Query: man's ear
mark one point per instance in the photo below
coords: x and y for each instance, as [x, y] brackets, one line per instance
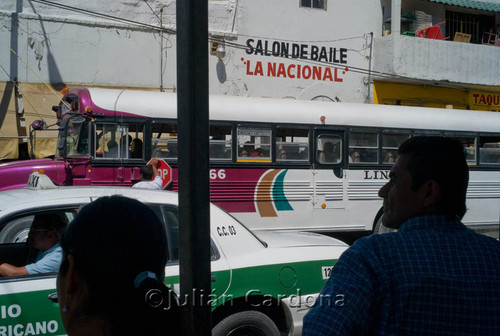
[72, 281]
[431, 193]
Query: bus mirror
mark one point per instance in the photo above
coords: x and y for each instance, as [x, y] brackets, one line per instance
[56, 108]
[38, 125]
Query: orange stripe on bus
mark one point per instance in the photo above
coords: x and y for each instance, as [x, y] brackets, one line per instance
[263, 199]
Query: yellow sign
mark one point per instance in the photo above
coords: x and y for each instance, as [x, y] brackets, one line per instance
[485, 99]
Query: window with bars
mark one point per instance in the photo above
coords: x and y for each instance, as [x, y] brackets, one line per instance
[475, 25]
[321, 4]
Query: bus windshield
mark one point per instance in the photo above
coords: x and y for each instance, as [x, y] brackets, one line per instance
[73, 139]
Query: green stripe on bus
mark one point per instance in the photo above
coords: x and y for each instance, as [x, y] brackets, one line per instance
[279, 197]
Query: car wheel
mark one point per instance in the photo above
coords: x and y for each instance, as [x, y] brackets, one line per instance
[379, 227]
[246, 323]
[16, 231]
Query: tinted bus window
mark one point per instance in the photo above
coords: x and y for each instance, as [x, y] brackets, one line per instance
[469, 143]
[489, 150]
[136, 146]
[292, 144]
[164, 142]
[220, 143]
[390, 144]
[77, 139]
[329, 149]
[363, 146]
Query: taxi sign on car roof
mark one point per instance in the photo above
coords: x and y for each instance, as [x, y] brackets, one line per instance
[39, 181]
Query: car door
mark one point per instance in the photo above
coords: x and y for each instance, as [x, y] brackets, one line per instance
[24, 307]
[220, 275]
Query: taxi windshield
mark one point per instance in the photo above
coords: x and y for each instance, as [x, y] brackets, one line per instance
[74, 137]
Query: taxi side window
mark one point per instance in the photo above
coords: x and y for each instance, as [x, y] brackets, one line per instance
[14, 246]
[170, 218]
[16, 229]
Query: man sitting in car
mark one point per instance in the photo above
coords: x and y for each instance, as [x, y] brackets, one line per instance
[44, 235]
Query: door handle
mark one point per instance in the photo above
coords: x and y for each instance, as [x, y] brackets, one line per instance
[53, 297]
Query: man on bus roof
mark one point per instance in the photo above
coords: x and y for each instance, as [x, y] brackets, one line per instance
[433, 276]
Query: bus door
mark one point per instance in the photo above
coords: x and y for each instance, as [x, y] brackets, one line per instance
[328, 176]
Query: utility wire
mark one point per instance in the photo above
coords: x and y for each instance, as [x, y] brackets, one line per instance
[40, 78]
[106, 16]
[19, 89]
[152, 11]
[243, 47]
[220, 40]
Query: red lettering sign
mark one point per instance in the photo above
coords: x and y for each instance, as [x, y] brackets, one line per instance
[282, 70]
[488, 99]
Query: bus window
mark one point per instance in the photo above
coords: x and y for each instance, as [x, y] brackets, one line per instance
[112, 141]
[489, 149]
[77, 137]
[292, 144]
[363, 147]
[164, 144]
[427, 133]
[329, 149]
[136, 132]
[254, 144]
[469, 143]
[220, 143]
[390, 144]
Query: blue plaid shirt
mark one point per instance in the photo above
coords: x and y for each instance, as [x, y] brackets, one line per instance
[432, 277]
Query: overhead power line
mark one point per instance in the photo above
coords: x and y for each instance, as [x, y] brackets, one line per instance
[102, 15]
[215, 39]
[244, 47]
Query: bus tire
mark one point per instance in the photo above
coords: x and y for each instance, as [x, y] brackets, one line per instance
[16, 231]
[248, 323]
[380, 228]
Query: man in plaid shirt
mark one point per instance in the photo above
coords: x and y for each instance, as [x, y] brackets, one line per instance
[433, 276]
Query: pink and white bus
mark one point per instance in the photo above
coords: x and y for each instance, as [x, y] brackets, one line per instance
[275, 164]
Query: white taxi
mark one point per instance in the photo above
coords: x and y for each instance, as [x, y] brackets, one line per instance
[262, 283]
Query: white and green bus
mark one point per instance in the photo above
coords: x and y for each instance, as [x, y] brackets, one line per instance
[275, 164]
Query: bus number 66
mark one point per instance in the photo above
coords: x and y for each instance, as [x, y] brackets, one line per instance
[217, 174]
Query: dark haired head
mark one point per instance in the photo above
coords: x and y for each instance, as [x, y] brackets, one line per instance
[442, 160]
[147, 172]
[112, 240]
[52, 222]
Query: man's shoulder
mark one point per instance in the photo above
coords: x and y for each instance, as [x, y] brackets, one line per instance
[49, 262]
[154, 184]
[376, 245]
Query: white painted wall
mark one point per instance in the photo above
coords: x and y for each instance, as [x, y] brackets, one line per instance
[70, 47]
[345, 24]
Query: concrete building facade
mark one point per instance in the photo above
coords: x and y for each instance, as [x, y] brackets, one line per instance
[349, 51]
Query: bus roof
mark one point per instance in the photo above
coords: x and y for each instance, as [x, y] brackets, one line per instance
[248, 109]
